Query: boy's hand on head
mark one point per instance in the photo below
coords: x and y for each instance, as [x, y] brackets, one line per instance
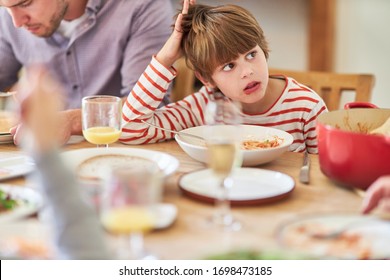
[171, 51]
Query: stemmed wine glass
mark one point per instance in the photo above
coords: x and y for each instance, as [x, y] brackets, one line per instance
[129, 207]
[223, 118]
[101, 119]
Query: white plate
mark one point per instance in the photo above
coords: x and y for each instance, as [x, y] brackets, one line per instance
[167, 163]
[251, 186]
[28, 239]
[166, 215]
[369, 238]
[32, 201]
[15, 166]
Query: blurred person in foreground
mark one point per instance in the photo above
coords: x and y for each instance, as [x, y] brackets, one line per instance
[76, 228]
[378, 195]
[227, 49]
[91, 47]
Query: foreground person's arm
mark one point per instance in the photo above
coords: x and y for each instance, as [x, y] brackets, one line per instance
[378, 195]
[77, 231]
[76, 228]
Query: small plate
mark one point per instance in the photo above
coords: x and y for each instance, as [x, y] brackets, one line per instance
[31, 202]
[166, 215]
[15, 166]
[369, 238]
[7, 120]
[251, 186]
[74, 139]
[6, 138]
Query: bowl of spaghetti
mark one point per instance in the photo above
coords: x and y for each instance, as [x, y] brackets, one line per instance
[258, 144]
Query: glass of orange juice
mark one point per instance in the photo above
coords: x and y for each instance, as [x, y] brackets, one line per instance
[101, 119]
[129, 207]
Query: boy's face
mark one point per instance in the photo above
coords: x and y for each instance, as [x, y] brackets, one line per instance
[244, 79]
[40, 17]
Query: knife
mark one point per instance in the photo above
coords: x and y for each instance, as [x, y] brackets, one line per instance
[304, 176]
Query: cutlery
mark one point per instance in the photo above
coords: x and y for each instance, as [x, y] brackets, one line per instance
[175, 132]
[359, 192]
[305, 169]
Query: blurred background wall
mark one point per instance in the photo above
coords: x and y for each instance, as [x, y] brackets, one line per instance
[362, 36]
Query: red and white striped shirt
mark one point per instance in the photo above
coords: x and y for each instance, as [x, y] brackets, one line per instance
[295, 111]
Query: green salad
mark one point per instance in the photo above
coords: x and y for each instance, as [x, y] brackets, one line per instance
[245, 254]
[6, 202]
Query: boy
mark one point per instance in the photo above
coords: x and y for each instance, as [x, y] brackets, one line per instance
[228, 52]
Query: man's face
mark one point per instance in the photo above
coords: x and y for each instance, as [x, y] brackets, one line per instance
[40, 17]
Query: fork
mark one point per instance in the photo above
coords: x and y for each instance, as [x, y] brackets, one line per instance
[174, 131]
[304, 173]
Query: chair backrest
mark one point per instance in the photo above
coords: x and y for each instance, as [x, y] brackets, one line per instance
[330, 85]
[183, 84]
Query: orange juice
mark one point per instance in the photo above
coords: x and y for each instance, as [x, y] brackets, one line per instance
[101, 135]
[128, 219]
[221, 158]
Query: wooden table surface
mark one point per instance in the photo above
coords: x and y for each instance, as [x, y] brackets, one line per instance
[190, 237]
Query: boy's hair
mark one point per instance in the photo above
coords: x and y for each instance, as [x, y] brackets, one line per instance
[213, 36]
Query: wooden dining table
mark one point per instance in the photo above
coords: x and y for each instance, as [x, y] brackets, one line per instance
[191, 237]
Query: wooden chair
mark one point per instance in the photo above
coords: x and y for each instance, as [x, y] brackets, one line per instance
[330, 85]
[183, 84]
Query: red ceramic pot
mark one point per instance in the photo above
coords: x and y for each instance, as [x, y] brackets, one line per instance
[347, 154]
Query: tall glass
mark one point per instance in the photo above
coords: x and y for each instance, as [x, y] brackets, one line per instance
[129, 207]
[223, 118]
[101, 119]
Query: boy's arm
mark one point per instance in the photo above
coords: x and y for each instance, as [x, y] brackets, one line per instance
[143, 101]
[147, 94]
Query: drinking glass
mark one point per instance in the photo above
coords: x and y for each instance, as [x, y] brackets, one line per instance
[129, 207]
[101, 119]
[223, 118]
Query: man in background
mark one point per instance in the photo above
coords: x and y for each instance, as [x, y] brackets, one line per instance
[90, 46]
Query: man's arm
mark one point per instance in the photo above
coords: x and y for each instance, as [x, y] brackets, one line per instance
[9, 65]
[70, 123]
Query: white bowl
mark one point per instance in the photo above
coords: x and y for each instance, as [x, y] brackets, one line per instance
[198, 150]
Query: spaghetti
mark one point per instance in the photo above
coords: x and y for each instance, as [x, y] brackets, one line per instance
[264, 144]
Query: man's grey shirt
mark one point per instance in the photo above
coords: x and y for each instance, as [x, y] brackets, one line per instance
[106, 54]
